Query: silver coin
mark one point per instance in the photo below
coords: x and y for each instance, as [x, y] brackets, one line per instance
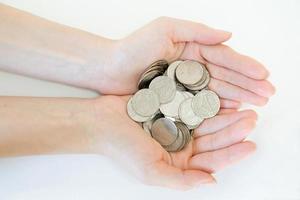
[171, 109]
[180, 87]
[206, 104]
[164, 87]
[200, 85]
[161, 63]
[187, 94]
[145, 102]
[186, 134]
[147, 125]
[155, 69]
[192, 127]
[147, 78]
[187, 115]
[206, 82]
[189, 72]
[172, 68]
[175, 146]
[164, 131]
[133, 115]
[174, 119]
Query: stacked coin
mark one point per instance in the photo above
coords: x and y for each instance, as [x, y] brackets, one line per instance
[172, 101]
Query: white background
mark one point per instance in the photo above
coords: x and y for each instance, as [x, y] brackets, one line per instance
[267, 30]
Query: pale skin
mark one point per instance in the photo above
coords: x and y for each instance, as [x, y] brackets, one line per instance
[35, 47]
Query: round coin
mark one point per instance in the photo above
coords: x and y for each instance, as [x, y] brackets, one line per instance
[147, 78]
[164, 87]
[164, 131]
[175, 146]
[202, 84]
[161, 63]
[186, 133]
[147, 125]
[187, 94]
[187, 115]
[189, 72]
[171, 109]
[133, 115]
[145, 102]
[206, 104]
[172, 68]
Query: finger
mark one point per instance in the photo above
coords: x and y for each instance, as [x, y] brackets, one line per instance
[221, 121]
[226, 103]
[126, 97]
[223, 55]
[228, 136]
[165, 175]
[227, 111]
[261, 87]
[229, 91]
[219, 159]
[188, 31]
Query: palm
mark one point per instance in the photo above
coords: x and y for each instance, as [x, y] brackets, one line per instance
[213, 147]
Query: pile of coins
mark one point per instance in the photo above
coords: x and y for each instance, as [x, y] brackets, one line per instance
[172, 101]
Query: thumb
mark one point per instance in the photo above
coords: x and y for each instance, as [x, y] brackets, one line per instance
[166, 175]
[188, 31]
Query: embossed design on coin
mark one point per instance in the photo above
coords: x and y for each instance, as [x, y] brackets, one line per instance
[189, 72]
[171, 109]
[206, 104]
[164, 87]
[172, 68]
[145, 102]
[133, 115]
[187, 115]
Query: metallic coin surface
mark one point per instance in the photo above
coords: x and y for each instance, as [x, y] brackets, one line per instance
[147, 78]
[164, 87]
[187, 94]
[172, 102]
[187, 115]
[162, 63]
[200, 85]
[192, 127]
[172, 68]
[180, 86]
[133, 115]
[147, 125]
[207, 80]
[145, 102]
[164, 131]
[171, 109]
[206, 104]
[186, 133]
[189, 72]
[175, 146]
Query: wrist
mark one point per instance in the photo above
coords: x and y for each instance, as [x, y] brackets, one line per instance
[94, 121]
[101, 63]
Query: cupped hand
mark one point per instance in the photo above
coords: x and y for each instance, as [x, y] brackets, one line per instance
[236, 78]
[218, 142]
